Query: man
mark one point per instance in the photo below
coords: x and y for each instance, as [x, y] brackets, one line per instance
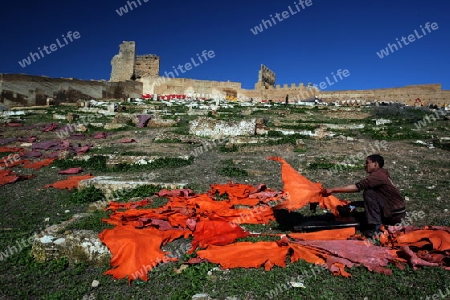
[382, 201]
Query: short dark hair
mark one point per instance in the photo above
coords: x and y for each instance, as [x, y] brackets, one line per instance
[377, 158]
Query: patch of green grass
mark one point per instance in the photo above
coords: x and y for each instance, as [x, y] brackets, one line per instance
[142, 191]
[229, 109]
[401, 114]
[299, 127]
[298, 110]
[230, 170]
[287, 139]
[181, 129]
[197, 188]
[93, 163]
[168, 141]
[178, 109]
[299, 150]
[275, 133]
[391, 132]
[321, 164]
[260, 112]
[193, 280]
[92, 222]
[222, 148]
[158, 202]
[259, 238]
[87, 195]
[169, 117]
[170, 162]
[134, 153]
[98, 163]
[222, 197]
[55, 273]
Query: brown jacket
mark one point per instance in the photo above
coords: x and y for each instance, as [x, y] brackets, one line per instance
[380, 181]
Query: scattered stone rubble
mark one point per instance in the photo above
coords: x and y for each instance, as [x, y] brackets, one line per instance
[219, 129]
[84, 245]
[108, 184]
[76, 246]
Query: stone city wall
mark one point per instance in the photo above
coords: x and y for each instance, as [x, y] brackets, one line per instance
[29, 90]
[427, 93]
[168, 85]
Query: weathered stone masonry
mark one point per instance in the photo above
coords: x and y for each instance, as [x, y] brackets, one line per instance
[134, 75]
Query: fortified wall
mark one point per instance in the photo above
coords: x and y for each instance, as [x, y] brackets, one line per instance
[132, 76]
[191, 87]
[145, 69]
[127, 66]
[429, 94]
[28, 90]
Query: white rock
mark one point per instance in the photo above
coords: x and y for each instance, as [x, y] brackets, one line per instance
[201, 297]
[141, 162]
[297, 284]
[60, 241]
[46, 239]
[382, 121]
[95, 283]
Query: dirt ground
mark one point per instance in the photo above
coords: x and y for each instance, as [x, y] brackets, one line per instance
[421, 173]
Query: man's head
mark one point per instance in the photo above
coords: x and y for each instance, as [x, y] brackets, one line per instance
[374, 162]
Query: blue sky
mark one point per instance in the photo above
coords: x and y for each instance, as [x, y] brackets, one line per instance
[304, 47]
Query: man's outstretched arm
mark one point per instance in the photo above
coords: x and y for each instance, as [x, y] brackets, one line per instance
[351, 188]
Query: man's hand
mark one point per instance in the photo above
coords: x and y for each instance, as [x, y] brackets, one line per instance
[326, 192]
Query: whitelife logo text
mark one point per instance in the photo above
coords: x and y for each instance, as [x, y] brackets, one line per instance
[265, 24]
[49, 49]
[411, 38]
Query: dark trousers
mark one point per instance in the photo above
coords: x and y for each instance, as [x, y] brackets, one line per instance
[374, 205]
